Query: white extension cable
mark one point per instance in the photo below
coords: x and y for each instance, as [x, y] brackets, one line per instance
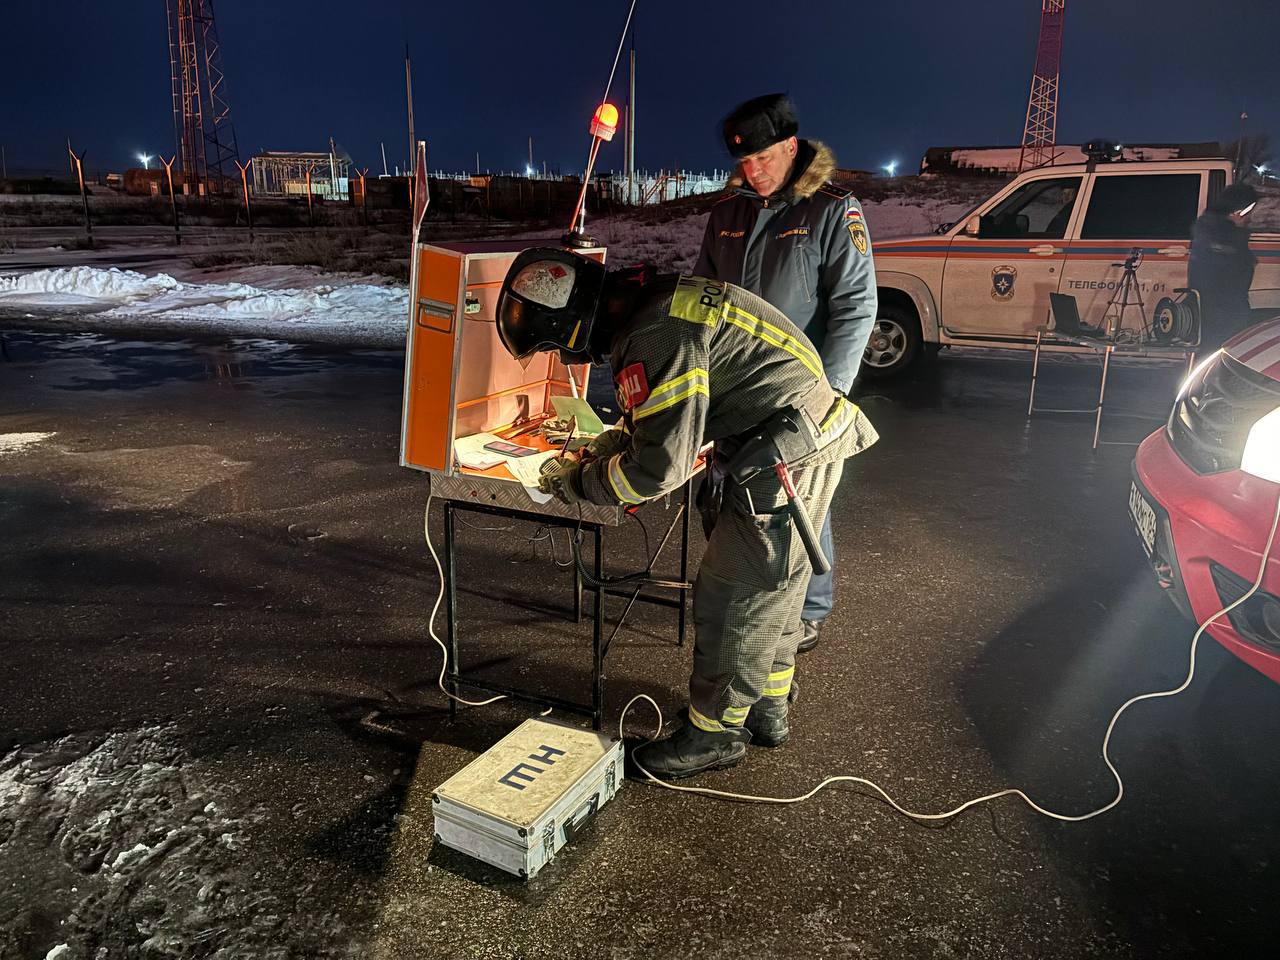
[1012, 791]
[946, 815]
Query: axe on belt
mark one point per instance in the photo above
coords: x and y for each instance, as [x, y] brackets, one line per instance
[784, 438]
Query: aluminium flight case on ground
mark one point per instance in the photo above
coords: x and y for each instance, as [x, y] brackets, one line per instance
[528, 795]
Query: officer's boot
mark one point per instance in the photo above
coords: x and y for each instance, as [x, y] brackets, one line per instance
[767, 722]
[692, 750]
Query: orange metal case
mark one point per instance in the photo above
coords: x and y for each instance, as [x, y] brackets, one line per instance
[459, 379]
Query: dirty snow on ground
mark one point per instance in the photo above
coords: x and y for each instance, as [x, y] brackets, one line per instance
[351, 313]
[341, 310]
[131, 847]
[14, 442]
[673, 245]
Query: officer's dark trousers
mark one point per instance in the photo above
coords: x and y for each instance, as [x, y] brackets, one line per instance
[749, 596]
[821, 595]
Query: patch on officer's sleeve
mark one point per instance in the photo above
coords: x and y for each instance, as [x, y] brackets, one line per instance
[632, 386]
[857, 229]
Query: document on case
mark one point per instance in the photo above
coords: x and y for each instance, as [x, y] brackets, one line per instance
[527, 471]
[471, 453]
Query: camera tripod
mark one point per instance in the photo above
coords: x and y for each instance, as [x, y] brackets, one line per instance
[1128, 294]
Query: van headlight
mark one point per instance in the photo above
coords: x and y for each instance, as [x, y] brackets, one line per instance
[1261, 456]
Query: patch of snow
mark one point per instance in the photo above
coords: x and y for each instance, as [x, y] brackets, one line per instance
[13, 442]
[117, 835]
[305, 305]
[83, 285]
[361, 313]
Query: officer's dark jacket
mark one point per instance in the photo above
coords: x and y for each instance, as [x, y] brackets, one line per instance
[697, 361]
[807, 251]
[1221, 269]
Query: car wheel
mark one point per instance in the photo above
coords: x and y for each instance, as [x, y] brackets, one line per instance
[895, 343]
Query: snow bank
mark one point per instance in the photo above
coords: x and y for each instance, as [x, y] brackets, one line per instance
[354, 313]
[334, 310]
[15, 442]
[89, 285]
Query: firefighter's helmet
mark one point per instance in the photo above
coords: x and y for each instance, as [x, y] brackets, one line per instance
[549, 301]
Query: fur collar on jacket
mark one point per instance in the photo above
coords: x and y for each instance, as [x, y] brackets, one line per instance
[815, 163]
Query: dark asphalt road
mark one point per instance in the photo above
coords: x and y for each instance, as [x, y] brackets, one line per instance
[217, 543]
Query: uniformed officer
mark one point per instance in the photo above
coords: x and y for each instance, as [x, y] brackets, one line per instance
[787, 234]
[1221, 265]
[698, 361]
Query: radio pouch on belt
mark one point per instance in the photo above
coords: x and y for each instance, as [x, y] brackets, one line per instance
[784, 438]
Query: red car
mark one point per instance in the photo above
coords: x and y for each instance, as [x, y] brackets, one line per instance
[1204, 493]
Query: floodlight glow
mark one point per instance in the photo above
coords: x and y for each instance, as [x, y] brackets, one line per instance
[146, 158]
[1261, 456]
[890, 167]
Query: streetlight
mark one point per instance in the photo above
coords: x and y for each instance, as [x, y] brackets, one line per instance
[890, 167]
[1262, 169]
[146, 158]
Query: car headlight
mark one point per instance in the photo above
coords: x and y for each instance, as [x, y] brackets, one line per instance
[1261, 456]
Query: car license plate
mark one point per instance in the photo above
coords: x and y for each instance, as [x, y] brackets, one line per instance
[1144, 518]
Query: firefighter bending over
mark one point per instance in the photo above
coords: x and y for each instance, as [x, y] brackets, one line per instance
[699, 361]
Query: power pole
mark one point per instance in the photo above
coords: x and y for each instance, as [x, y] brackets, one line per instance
[1040, 132]
[1244, 118]
[408, 93]
[631, 125]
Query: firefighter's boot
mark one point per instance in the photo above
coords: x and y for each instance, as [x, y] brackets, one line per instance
[767, 721]
[691, 750]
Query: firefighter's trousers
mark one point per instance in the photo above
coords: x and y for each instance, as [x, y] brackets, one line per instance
[749, 595]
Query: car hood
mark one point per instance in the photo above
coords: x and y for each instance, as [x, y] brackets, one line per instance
[1258, 348]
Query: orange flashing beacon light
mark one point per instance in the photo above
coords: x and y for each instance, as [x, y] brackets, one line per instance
[604, 123]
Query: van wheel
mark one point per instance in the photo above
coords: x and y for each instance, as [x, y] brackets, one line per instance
[895, 343]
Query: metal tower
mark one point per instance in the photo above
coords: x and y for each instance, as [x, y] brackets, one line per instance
[1041, 128]
[204, 139]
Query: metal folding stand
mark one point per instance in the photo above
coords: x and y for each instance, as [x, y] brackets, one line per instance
[599, 644]
[1107, 347]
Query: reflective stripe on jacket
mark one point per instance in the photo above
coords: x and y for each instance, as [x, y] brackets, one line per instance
[701, 361]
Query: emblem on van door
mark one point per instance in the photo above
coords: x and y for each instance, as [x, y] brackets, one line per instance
[1002, 280]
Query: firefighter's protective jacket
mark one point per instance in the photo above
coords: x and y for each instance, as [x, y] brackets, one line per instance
[807, 251]
[700, 361]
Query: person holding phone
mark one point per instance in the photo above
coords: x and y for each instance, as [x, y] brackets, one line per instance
[1221, 266]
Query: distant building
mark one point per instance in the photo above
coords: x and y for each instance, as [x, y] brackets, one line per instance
[1003, 161]
[283, 173]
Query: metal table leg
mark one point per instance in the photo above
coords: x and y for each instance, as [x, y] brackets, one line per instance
[577, 587]
[1035, 370]
[1102, 392]
[451, 605]
[597, 637]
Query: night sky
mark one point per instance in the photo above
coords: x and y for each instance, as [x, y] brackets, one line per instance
[877, 81]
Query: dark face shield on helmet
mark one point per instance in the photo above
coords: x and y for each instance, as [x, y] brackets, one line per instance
[548, 303]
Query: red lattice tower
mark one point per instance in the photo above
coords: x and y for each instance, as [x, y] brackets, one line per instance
[203, 135]
[1041, 129]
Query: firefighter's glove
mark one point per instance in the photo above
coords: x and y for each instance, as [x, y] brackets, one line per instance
[562, 478]
[606, 444]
